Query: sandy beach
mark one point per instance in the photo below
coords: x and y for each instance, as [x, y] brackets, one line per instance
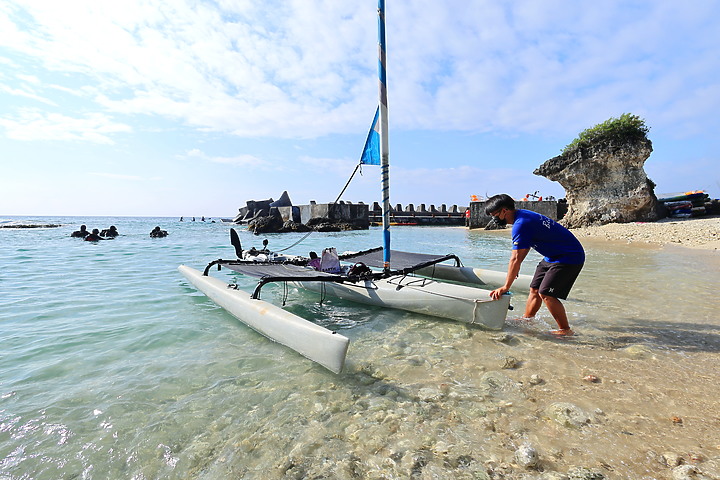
[698, 232]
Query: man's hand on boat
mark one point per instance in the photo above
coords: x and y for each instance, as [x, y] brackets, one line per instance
[498, 292]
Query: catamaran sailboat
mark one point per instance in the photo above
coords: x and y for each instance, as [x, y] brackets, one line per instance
[411, 281]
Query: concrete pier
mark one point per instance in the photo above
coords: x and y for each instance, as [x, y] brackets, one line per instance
[363, 215]
[422, 215]
[549, 208]
[341, 212]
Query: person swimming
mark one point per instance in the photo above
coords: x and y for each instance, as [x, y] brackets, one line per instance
[82, 233]
[94, 236]
[109, 232]
[157, 233]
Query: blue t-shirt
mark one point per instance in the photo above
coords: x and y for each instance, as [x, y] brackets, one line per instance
[547, 237]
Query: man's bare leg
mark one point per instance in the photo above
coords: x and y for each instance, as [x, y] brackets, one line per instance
[557, 310]
[534, 302]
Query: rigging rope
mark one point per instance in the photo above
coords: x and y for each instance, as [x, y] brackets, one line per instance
[358, 166]
[323, 292]
[285, 293]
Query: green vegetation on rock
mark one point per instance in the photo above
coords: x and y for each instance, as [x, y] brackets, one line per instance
[627, 128]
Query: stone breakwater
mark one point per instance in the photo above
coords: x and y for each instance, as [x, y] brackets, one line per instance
[691, 232]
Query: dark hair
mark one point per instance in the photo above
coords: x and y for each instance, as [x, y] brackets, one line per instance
[496, 202]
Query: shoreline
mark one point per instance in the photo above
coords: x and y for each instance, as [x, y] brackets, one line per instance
[695, 232]
[700, 233]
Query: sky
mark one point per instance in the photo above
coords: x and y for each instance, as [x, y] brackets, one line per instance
[193, 107]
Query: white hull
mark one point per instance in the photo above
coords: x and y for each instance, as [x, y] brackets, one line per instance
[308, 339]
[478, 276]
[421, 295]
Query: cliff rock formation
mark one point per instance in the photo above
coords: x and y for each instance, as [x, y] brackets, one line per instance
[605, 182]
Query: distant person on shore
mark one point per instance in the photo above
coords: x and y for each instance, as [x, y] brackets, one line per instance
[94, 236]
[109, 232]
[157, 233]
[82, 233]
[555, 274]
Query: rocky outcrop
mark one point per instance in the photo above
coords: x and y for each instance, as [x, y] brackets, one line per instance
[605, 182]
[270, 223]
[325, 224]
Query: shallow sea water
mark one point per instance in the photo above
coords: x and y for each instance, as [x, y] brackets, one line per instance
[112, 366]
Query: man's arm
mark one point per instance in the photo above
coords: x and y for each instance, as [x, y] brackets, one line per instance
[516, 259]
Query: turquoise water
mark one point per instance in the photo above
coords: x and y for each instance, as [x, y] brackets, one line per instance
[112, 366]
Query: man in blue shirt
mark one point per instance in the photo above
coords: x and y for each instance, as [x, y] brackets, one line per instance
[555, 274]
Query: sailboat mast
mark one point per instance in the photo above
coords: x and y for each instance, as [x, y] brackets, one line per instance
[384, 153]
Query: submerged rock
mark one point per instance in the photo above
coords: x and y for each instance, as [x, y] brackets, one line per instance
[430, 394]
[526, 456]
[536, 380]
[552, 476]
[510, 362]
[582, 473]
[496, 384]
[671, 459]
[567, 415]
[689, 472]
[638, 351]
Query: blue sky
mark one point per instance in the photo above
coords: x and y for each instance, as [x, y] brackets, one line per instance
[175, 107]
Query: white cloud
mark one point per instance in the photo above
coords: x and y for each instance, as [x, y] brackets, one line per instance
[340, 167]
[553, 70]
[21, 92]
[306, 68]
[244, 160]
[263, 74]
[34, 124]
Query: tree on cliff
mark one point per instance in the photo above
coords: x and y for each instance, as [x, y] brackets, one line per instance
[603, 175]
[626, 129]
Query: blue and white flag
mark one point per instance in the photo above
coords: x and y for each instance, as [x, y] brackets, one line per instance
[371, 152]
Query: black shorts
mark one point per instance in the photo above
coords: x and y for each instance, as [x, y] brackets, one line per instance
[555, 279]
